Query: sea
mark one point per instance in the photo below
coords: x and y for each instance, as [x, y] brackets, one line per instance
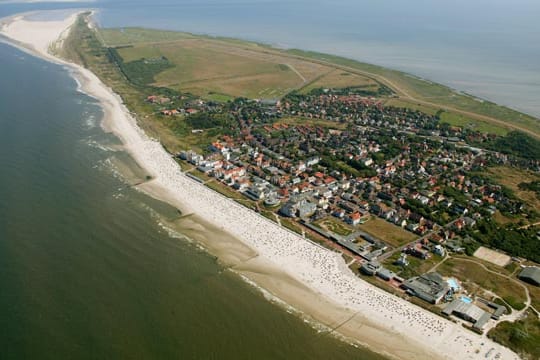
[87, 269]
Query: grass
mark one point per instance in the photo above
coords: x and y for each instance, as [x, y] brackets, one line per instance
[291, 225]
[411, 105]
[473, 277]
[334, 225]
[387, 232]
[504, 220]
[466, 122]
[184, 165]
[534, 292]
[208, 65]
[416, 266]
[340, 79]
[224, 189]
[522, 336]
[131, 36]
[512, 177]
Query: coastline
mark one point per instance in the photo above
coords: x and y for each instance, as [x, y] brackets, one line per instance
[313, 280]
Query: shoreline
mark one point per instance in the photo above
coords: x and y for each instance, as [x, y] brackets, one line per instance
[313, 280]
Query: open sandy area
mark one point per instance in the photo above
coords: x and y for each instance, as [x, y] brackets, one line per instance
[492, 256]
[310, 278]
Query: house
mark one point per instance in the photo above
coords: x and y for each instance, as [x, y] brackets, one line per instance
[439, 250]
[402, 261]
[191, 111]
[356, 218]
[339, 213]
[302, 208]
[169, 112]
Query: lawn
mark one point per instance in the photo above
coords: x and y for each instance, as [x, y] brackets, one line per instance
[208, 66]
[130, 36]
[473, 124]
[473, 276]
[340, 79]
[387, 232]
[411, 105]
[416, 266]
[334, 225]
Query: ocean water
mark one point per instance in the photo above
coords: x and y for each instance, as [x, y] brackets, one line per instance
[488, 48]
[87, 272]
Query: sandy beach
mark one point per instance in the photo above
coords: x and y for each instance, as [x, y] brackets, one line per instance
[312, 279]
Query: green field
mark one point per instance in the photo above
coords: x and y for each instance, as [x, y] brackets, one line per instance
[220, 68]
[387, 232]
[339, 79]
[467, 122]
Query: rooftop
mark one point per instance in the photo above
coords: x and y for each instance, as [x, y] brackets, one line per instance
[531, 274]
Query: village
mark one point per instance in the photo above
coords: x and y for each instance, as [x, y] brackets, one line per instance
[394, 190]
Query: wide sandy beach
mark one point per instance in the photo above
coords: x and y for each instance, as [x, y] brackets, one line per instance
[312, 279]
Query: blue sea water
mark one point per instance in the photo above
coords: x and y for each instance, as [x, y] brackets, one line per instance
[489, 48]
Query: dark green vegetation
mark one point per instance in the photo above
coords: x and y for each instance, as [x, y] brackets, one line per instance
[523, 336]
[531, 186]
[518, 144]
[510, 238]
[140, 72]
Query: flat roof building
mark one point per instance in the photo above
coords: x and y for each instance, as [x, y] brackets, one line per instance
[468, 312]
[385, 274]
[430, 287]
[371, 268]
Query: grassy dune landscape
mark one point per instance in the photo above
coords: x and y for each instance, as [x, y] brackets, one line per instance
[208, 67]
[221, 69]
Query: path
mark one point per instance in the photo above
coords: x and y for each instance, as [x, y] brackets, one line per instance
[297, 72]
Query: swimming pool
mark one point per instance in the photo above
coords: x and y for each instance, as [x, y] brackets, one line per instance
[453, 284]
[466, 299]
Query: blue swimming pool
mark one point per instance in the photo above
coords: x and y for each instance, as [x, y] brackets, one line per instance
[453, 283]
[466, 299]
